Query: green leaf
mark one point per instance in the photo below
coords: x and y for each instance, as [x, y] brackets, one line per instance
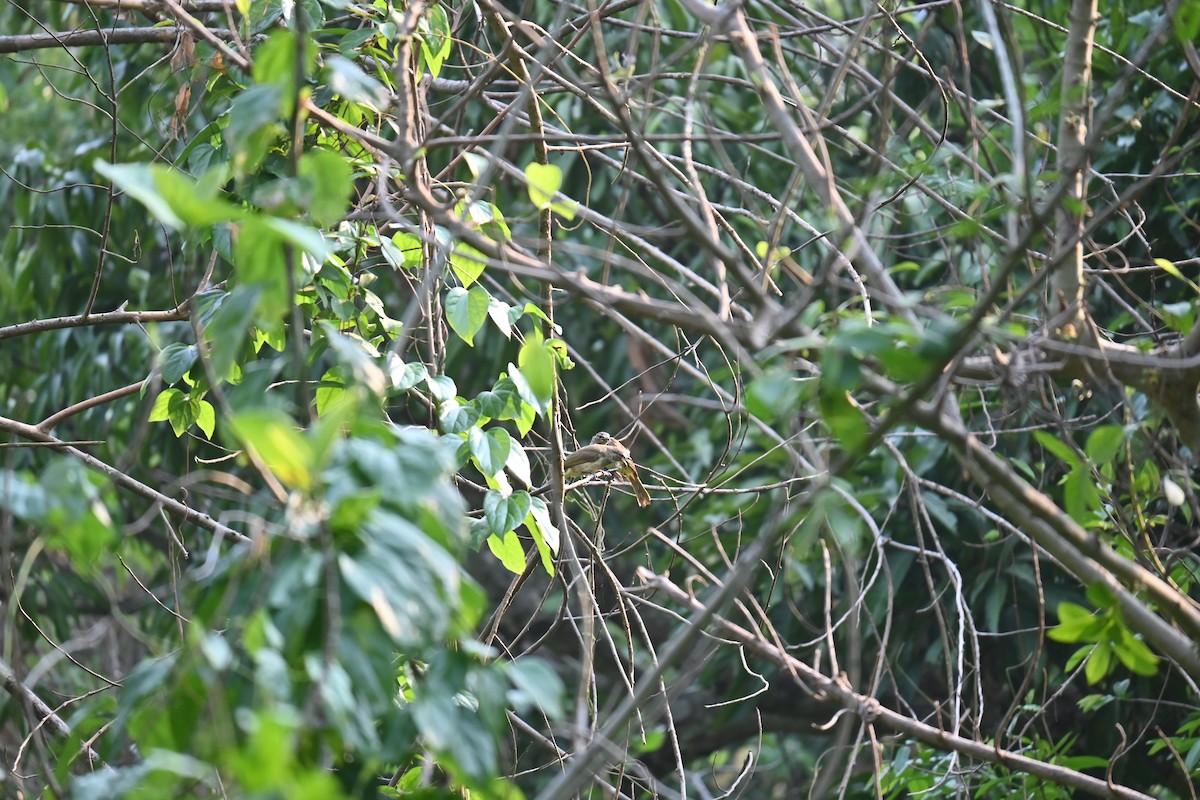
[177, 408]
[536, 362]
[774, 394]
[305, 237]
[1101, 595]
[345, 78]
[161, 409]
[442, 387]
[545, 534]
[525, 417]
[327, 178]
[1081, 495]
[1076, 624]
[406, 376]
[274, 437]
[467, 263]
[490, 449]
[501, 312]
[490, 404]
[182, 411]
[1104, 443]
[229, 328]
[206, 417]
[137, 180]
[543, 182]
[175, 360]
[840, 371]
[1187, 21]
[518, 464]
[1100, 662]
[174, 199]
[402, 251]
[1078, 656]
[508, 549]
[466, 311]
[454, 417]
[435, 38]
[504, 514]
[275, 61]
[259, 262]
[1136, 656]
[331, 392]
[844, 420]
[254, 125]
[1063, 452]
[1172, 270]
[536, 684]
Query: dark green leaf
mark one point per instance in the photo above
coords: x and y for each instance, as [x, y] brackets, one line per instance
[175, 360]
[504, 514]
[490, 449]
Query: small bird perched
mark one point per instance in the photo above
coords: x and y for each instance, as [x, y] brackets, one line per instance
[606, 453]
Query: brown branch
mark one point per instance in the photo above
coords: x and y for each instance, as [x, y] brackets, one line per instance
[116, 394]
[41, 41]
[180, 312]
[820, 686]
[816, 171]
[26, 697]
[197, 518]
[156, 6]
[208, 34]
[1081, 553]
[1066, 282]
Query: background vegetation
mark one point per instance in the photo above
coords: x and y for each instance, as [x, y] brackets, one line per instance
[301, 304]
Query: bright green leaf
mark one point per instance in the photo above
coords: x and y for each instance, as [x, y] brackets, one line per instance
[274, 437]
[1100, 662]
[467, 310]
[536, 362]
[1172, 270]
[1080, 495]
[543, 182]
[1136, 656]
[206, 417]
[508, 549]
[160, 411]
[403, 250]
[467, 263]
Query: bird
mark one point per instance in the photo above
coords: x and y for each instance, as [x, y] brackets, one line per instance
[606, 453]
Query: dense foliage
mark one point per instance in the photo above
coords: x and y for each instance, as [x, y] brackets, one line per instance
[894, 307]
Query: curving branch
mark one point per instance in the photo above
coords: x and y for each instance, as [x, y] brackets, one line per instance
[104, 36]
[197, 518]
[27, 697]
[839, 691]
[1083, 554]
[119, 317]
